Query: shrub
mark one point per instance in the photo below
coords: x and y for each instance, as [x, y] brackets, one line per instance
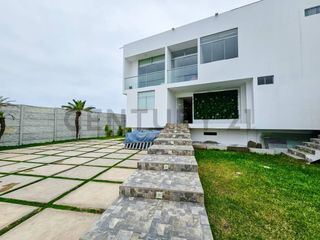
[120, 132]
[108, 131]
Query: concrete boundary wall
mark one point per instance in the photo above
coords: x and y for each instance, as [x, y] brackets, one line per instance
[29, 124]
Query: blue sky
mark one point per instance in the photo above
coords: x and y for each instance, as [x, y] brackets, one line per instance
[54, 51]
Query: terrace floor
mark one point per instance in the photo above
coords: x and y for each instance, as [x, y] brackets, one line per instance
[58, 191]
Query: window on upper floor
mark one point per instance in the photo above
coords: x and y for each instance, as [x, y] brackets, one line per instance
[151, 71]
[219, 46]
[312, 11]
[265, 80]
[146, 100]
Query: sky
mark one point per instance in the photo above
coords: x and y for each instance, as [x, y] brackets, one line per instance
[54, 51]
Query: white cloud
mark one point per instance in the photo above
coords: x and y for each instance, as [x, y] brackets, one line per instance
[53, 51]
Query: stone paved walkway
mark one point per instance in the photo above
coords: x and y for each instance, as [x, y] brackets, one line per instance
[161, 200]
[58, 191]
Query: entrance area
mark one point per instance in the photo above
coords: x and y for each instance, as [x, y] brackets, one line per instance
[185, 110]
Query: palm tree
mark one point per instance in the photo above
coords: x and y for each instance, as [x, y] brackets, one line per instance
[3, 103]
[77, 106]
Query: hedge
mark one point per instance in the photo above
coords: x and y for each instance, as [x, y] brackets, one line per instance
[216, 105]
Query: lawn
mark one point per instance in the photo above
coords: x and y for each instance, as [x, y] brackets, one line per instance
[251, 196]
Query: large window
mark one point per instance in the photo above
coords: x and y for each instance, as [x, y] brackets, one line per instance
[151, 71]
[312, 11]
[219, 46]
[146, 100]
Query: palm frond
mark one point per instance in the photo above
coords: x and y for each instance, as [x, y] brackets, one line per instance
[77, 106]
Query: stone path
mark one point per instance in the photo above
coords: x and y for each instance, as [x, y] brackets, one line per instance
[163, 199]
[58, 191]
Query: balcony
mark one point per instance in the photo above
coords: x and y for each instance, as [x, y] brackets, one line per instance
[183, 74]
[145, 80]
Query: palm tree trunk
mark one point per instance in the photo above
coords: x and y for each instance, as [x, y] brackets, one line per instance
[2, 126]
[78, 114]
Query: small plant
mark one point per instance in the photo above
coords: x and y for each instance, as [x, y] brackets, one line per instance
[120, 132]
[108, 131]
[3, 103]
[78, 107]
[128, 130]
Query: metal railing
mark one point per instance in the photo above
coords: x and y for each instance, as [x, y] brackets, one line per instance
[183, 74]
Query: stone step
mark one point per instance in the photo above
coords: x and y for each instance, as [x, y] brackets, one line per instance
[168, 163]
[315, 140]
[170, 185]
[137, 218]
[174, 135]
[306, 149]
[308, 157]
[298, 153]
[312, 145]
[171, 150]
[173, 141]
[294, 156]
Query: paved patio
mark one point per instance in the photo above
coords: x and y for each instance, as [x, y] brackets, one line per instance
[58, 191]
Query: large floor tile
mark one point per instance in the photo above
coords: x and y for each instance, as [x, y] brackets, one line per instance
[4, 155]
[83, 172]
[52, 224]
[76, 160]
[43, 191]
[70, 153]
[118, 155]
[22, 157]
[105, 162]
[129, 164]
[92, 195]
[13, 212]
[106, 150]
[48, 159]
[116, 174]
[18, 167]
[12, 182]
[47, 170]
[5, 163]
[93, 155]
[50, 152]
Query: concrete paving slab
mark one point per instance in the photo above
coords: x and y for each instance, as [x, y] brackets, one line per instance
[128, 151]
[50, 152]
[47, 170]
[43, 191]
[22, 158]
[13, 212]
[52, 224]
[83, 172]
[129, 164]
[137, 157]
[116, 174]
[48, 159]
[105, 162]
[70, 153]
[87, 149]
[92, 195]
[11, 182]
[106, 150]
[93, 155]
[5, 163]
[23, 150]
[18, 167]
[116, 147]
[8, 155]
[76, 160]
[70, 148]
[118, 155]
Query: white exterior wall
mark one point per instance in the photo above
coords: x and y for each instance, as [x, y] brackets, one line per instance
[274, 38]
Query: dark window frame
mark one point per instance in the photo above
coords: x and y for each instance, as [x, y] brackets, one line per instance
[308, 12]
[265, 80]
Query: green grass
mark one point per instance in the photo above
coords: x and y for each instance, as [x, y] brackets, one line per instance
[251, 196]
[57, 142]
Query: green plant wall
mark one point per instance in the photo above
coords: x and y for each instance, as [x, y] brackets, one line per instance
[216, 105]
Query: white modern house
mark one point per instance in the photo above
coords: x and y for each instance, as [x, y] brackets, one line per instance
[252, 73]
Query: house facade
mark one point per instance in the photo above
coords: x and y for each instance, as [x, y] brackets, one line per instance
[248, 74]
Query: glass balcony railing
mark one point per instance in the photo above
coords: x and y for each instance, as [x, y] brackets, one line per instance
[145, 80]
[183, 74]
